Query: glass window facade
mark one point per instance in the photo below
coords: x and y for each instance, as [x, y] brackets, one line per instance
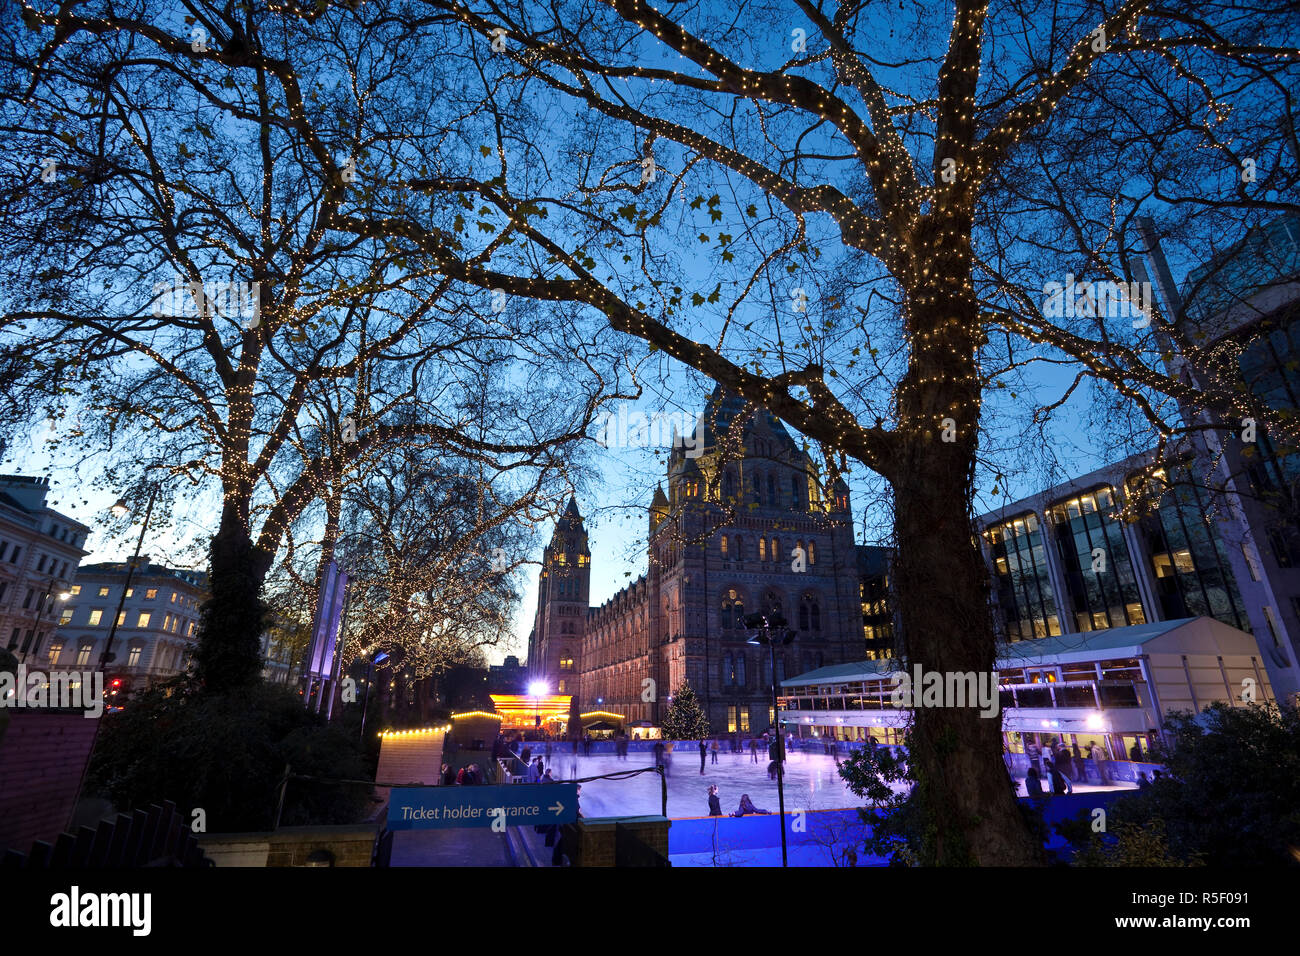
[1103, 590]
[1025, 600]
[1190, 568]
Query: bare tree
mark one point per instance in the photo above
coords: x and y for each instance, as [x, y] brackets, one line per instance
[172, 273]
[810, 204]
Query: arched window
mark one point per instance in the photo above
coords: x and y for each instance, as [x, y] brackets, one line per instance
[771, 490]
[773, 602]
[729, 484]
[740, 553]
[724, 545]
[812, 552]
[726, 670]
[740, 669]
[762, 549]
[794, 491]
[733, 610]
[776, 550]
[810, 615]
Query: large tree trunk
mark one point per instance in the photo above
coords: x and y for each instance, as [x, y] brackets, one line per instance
[229, 646]
[941, 585]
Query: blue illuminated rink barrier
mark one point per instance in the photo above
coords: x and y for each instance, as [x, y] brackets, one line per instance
[820, 837]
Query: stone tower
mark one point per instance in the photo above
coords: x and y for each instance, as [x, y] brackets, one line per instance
[563, 594]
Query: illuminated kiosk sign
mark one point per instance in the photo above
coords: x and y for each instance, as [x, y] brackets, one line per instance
[435, 808]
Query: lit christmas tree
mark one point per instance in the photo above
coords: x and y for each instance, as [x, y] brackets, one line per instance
[685, 719]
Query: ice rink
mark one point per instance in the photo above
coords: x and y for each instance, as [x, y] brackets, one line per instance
[811, 783]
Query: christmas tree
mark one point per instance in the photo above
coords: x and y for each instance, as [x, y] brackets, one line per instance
[685, 719]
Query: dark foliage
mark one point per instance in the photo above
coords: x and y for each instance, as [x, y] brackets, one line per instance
[1230, 796]
[226, 754]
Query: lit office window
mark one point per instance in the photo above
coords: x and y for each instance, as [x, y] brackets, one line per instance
[96, 615]
[143, 619]
[1025, 599]
[1188, 561]
[1100, 584]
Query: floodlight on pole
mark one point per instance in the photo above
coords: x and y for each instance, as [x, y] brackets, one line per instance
[770, 630]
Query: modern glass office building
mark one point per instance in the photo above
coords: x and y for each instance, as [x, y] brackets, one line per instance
[1099, 578]
[1213, 530]
[1069, 560]
[1022, 584]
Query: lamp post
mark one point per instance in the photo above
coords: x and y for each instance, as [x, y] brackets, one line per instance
[370, 679]
[120, 509]
[537, 689]
[770, 629]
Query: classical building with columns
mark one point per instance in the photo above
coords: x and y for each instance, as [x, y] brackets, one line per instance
[745, 525]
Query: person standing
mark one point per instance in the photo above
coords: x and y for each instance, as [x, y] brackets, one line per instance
[715, 804]
[704, 749]
[713, 751]
[753, 750]
[1058, 781]
[1033, 784]
[1063, 761]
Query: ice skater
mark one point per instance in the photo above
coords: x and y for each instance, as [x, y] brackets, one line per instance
[704, 749]
[713, 751]
[715, 804]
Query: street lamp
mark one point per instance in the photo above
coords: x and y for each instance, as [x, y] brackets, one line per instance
[538, 689]
[370, 679]
[770, 629]
[119, 509]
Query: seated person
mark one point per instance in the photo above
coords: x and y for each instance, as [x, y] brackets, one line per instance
[747, 806]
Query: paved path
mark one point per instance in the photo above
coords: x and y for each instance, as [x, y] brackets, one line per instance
[471, 846]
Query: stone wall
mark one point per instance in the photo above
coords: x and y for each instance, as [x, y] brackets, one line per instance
[593, 842]
[42, 756]
[351, 845]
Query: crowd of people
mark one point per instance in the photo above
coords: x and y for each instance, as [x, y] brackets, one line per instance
[1062, 765]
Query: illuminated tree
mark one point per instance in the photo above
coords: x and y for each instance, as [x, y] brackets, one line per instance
[685, 718]
[819, 207]
[181, 303]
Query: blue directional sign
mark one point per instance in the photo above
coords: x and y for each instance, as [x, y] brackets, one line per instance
[435, 808]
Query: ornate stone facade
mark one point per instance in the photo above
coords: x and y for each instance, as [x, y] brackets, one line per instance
[747, 525]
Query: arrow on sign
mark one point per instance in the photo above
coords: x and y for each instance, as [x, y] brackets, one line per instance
[557, 808]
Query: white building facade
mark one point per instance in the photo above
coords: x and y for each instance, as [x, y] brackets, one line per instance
[156, 628]
[40, 550]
